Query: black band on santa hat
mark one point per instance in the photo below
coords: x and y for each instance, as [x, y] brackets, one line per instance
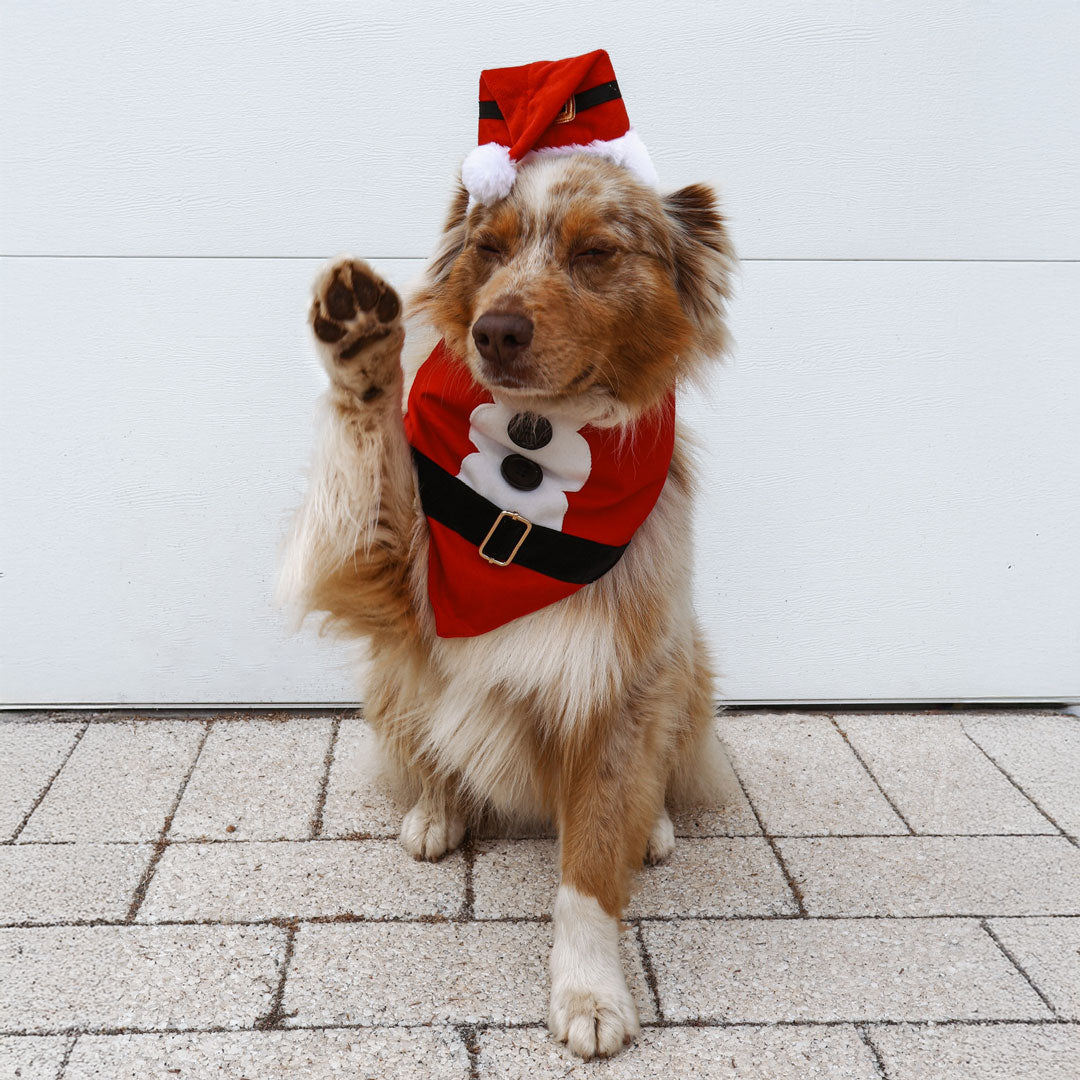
[587, 99]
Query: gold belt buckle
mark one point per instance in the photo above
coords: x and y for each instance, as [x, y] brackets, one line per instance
[569, 111]
[491, 532]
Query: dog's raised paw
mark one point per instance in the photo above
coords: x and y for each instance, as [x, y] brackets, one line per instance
[356, 318]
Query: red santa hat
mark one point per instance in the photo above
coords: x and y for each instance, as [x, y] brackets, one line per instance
[551, 107]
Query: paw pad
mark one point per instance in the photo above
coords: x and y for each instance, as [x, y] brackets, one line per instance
[353, 309]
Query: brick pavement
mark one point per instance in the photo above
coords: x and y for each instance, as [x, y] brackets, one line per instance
[887, 896]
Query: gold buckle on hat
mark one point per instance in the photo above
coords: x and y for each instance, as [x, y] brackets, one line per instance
[491, 532]
[569, 111]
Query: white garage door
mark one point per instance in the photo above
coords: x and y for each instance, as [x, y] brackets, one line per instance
[892, 505]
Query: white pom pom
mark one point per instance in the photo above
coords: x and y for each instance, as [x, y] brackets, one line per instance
[629, 152]
[488, 173]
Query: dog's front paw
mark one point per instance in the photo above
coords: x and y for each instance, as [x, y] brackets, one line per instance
[591, 1008]
[356, 317]
[428, 832]
[596, 1021]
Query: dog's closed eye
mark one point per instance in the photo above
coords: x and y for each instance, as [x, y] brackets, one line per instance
[593, 254]
[488, 247]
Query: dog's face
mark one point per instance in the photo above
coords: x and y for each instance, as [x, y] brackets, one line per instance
[582, 283]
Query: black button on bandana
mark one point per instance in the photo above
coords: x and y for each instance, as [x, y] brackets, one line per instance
[529, 431]
[521, 473]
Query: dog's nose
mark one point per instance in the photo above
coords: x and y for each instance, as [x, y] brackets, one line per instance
[501, 338]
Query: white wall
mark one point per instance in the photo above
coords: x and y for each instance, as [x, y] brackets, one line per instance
[892, 502]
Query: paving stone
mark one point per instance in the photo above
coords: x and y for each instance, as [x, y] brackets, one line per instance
[931, 875]
[423, 973]
[1049, 951]
[785, 990]
[762, 971]
[50, 883]
[256, 780]
[803, 778]
[29, 756]
[734, 1053]
[1042, 754]
[983, 1052]
[709, 876]
[388, 1053]
[144, 977]
[718, 876]
[357, 803]
[119, 784]
[32, 1057]
[731, 816]
[514, 878]
[938, 779]
[257, 881]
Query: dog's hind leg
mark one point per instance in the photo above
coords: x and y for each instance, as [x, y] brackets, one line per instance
[399, 691]
[700, 775]
[661, 839]
[349, 550]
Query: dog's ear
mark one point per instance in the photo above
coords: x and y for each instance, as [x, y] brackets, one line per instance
[702, 261]
[453, 238]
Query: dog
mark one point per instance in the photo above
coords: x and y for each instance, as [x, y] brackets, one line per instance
[583, 293]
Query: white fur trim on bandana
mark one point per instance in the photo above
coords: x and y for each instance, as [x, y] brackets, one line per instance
[488, 173]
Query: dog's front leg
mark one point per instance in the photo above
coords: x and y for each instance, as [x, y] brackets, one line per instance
[607, 805]
[350, 546]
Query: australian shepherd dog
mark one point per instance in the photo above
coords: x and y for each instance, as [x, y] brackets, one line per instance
[582, 292]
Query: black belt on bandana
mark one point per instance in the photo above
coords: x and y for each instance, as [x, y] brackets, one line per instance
[503, 537]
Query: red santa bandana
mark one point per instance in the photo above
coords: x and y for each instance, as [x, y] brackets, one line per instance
[523, 509]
